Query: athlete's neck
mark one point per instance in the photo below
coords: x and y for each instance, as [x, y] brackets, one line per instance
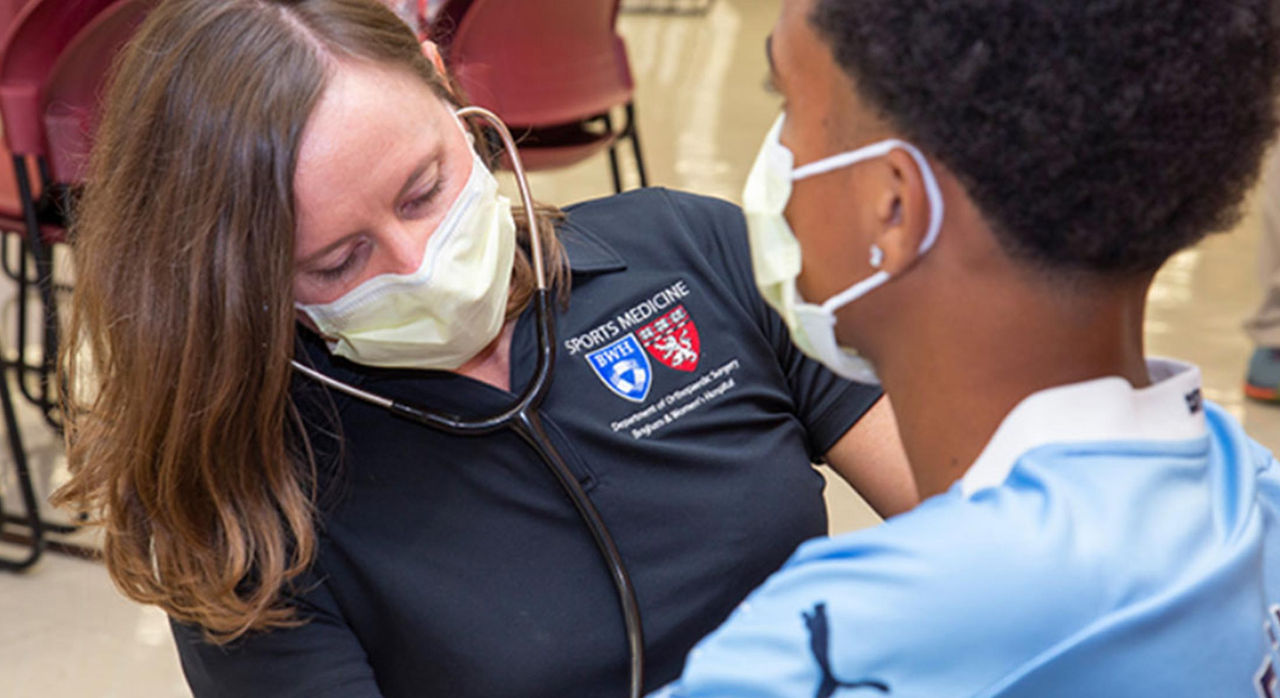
[956, 379]
[493, 364]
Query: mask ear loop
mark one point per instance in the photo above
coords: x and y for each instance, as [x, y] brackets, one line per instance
[937, 208]
[526, 199]
[931, 189]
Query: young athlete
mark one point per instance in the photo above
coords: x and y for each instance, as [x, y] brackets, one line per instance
[980, 194]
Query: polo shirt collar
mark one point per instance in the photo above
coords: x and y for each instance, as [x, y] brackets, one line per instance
[587, 253]
[1105, 409]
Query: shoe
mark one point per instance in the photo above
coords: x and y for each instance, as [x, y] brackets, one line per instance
[1263, 381]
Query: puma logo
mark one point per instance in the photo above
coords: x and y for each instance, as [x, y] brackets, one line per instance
[819, 644]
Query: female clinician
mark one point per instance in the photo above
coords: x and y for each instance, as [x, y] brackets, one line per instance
[1011, 176]
[281, 179]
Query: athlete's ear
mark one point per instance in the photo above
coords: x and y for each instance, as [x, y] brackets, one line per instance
[903, 214]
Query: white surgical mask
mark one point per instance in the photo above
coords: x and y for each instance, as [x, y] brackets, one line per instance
[447, 311]
[775, 252]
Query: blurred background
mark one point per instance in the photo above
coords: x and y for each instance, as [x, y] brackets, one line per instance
[701, 112]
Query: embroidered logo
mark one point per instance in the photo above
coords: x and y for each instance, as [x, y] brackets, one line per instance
[820, 646]
[624, 368]
[1195, 401]
[673, 340]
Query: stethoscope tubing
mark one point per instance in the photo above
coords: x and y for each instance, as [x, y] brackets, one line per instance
[523, 418]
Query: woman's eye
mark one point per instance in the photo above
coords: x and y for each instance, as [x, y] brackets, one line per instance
[416, 205]
[353, 256]
[336, 272]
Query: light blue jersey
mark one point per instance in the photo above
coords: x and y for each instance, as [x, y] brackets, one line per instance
[1108, 542]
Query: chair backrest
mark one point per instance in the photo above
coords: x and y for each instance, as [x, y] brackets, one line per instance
[58, 48]
[539, 62]
[8, 11]
[71, 102]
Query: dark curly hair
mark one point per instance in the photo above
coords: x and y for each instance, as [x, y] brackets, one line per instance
[1096, 136]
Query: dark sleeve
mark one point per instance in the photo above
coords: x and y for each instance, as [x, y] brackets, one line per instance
[320, 659]
[826, 404]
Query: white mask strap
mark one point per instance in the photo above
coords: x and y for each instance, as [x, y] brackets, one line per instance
[841, 160]
[855, 291]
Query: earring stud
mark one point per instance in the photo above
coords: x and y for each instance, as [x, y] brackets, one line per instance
[877, 256]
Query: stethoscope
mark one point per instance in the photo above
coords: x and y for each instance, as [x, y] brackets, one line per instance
[522, 416]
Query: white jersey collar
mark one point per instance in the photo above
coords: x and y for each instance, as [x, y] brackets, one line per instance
[1105, 409]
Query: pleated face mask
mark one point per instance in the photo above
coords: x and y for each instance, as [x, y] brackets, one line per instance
[450, 308]
[775, 252]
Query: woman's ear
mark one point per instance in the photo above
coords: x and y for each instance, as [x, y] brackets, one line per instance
[904, 215]
[432, 52]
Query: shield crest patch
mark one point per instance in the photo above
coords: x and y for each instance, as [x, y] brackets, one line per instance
[624, 368]
[673, 340]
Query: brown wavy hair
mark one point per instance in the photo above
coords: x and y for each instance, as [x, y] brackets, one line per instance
[182, 438]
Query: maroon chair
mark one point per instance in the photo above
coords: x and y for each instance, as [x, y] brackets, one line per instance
[552, 69]
[8, 11]
[10, 204]
[53, 58]
[11, 220]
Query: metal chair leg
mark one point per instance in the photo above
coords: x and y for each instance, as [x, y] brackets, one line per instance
[613, 166]
[24, 283]
[43, 397]
[633, 132]
[43, 259]
[6, 260]
[613, 155]
[35, 526]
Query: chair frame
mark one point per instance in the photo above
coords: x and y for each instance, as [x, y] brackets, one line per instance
[28, 58]
[632, 133]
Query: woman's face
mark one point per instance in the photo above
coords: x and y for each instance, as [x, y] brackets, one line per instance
[381, 161]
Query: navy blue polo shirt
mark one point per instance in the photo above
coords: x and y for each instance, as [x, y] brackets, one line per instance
[456, 566]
